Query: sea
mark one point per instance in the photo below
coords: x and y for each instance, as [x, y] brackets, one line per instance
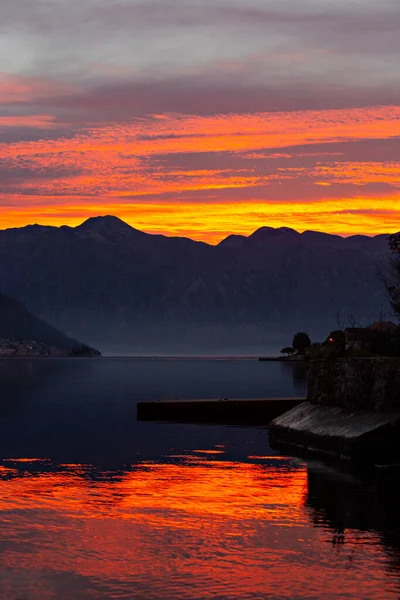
[96, 505]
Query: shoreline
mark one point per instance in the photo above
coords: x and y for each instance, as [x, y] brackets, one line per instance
[157, 357]
[281, 358]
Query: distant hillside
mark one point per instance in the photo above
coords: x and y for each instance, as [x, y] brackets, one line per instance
[17, 323]
[116, 285]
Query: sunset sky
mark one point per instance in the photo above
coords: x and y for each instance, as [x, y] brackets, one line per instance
[201, 117]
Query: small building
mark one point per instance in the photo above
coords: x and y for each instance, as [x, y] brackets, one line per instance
[358, 338]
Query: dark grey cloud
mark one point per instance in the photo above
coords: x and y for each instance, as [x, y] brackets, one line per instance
[12, 135]
[15, 175]
[268, 160]
[122, 101]
[304, 191]
[342, 16]
[155, 36]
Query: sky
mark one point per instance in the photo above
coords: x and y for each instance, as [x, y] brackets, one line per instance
[201, 117]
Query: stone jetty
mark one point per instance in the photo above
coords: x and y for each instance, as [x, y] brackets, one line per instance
[352, 412]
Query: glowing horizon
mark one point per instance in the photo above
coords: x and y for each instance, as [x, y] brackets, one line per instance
[212, 237]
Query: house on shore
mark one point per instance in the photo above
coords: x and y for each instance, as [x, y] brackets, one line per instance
[359, 338]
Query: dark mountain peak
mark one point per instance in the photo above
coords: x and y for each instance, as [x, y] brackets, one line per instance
[263, 233]
[35, 228]
[289, 230]
[368, 243]
[106, 224]
[266, 234]
[233, 241]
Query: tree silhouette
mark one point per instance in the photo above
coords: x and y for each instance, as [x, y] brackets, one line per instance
[287, 350]
[301, 342]
[336, 342]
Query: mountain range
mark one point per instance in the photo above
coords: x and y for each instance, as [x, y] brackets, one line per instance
[126, 290]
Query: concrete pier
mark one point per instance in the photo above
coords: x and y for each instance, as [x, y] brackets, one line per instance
[361, 436]
[352, 413]
[240, 411]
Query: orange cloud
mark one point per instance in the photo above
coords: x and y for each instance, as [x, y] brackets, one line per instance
[117, 169]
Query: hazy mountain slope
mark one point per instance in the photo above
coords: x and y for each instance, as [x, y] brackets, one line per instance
[17, 322]
[110, 281]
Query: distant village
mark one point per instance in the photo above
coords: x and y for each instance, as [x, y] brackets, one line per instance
[14, 347]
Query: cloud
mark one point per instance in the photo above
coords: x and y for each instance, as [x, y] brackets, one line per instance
[86, 105]
[27, 121]
[165, 40]
[199, 95]
[96, 61]
[122, 15]
[269, 160]
[148, 103]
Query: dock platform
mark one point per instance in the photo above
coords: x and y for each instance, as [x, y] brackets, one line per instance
[238, 411]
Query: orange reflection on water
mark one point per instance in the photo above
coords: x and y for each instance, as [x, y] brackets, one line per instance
[204, 528]
[172, 492]
[209, 451]
[25, 460]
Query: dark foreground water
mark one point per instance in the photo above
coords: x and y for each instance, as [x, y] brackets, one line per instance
[94, 505]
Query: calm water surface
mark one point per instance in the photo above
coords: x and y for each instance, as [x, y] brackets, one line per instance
[94, 505]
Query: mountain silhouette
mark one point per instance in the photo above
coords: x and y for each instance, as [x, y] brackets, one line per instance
[110, 282]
